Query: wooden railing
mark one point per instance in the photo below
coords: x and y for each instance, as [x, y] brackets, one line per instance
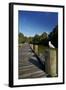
[51, 60]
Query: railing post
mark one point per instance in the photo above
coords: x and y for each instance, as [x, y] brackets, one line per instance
[51, 62]
[36, 49]
[31, 45]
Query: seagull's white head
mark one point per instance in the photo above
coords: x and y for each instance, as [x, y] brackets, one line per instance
[49, 42]
[51, 45]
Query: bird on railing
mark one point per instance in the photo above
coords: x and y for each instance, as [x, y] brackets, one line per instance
[51, 45]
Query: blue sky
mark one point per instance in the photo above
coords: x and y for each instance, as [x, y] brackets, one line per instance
[33, 22]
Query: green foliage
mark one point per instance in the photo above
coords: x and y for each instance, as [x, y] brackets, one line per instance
[53, 36]
[30, 39]
[36, 39]
[41, 39]
[44, 38]
[21, 38]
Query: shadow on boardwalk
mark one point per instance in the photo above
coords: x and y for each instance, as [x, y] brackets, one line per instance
[37, 64]
[30, 65]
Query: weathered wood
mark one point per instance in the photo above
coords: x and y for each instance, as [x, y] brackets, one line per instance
[51, 62]
[29, 66]
[31, 45]
[36, 49]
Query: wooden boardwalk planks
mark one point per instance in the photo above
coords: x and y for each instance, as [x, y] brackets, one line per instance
[29, 66]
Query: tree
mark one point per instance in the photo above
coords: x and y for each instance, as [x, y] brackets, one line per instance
[21, 38]
[53, 37]
[44, 38]
[30, 39]
[36, 39]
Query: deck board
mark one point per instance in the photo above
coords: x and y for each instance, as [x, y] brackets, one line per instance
[29, 65]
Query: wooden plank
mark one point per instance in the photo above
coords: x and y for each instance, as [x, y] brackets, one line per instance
[29, 67]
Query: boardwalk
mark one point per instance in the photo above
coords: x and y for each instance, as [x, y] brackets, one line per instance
[29, 65]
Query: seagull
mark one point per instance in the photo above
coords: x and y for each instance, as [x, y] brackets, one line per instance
[50, 45]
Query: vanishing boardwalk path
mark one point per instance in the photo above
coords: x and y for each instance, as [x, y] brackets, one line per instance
[29, 65]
